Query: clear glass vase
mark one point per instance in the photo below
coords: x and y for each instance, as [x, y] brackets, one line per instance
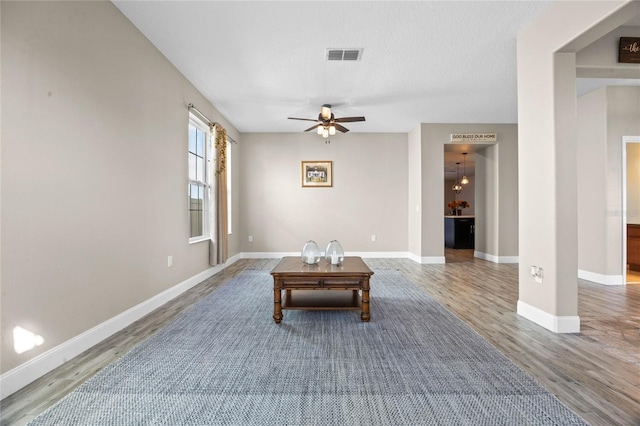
[334, 253]
[311, 253]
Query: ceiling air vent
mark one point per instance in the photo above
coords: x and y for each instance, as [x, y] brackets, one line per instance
[344, 54]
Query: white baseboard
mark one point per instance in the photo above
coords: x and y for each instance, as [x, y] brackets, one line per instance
[17, 378]
[369, 254]
[426, 260]
[267, 255]
[600, 278]
[379, 254]
[496, 259]
[557, 324]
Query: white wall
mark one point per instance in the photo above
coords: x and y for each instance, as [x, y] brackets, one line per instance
[94, 171]
[369, 194]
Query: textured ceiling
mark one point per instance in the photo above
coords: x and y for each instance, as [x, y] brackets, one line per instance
[260, 62]
[422, 61]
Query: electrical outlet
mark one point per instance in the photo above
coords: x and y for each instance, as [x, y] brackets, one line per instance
[538, 277]
[373, 238]
[169, 261]
[536, 273]
[250, 238]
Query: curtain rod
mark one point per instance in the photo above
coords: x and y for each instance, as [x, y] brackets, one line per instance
[210, 122]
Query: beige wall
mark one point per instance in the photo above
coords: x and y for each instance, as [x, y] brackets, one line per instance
[633, 183]
[623, 119]
[415, 192]
[592, 182]
[487, 231]
[547, 122]
[600, 58]
[496, 218]
[433, 136]
[369, 194]
[604, 117]
[94, 171]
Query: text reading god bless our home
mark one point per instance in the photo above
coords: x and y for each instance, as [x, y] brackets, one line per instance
[473, 137]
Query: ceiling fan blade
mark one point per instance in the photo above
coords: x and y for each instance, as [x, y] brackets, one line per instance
[303, 119]
[314, 127]
[341, 128]
[348, 119]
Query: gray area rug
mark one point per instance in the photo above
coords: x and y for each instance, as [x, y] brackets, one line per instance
[225, 362]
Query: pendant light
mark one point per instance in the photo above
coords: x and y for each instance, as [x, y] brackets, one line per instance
[464, 180]
[457, 188]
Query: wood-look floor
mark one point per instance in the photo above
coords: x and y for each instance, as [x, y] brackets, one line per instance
[633, 277]
[596, 372]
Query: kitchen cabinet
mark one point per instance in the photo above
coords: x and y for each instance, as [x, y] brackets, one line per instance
[633, 246]
[459, 232]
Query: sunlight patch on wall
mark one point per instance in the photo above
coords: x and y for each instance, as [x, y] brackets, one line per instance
[25, 340]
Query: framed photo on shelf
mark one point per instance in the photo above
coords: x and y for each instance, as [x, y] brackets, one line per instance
[317, 173]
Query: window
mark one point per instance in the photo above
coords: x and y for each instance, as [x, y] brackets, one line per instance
[199, 182]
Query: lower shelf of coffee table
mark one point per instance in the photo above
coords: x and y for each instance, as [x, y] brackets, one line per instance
[321, 299]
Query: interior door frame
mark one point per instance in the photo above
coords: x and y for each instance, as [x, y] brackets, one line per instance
[623, 212]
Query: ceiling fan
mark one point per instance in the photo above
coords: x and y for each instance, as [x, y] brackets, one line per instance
[327, 124]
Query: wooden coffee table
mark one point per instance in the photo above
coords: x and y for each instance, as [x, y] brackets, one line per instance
[352, 276]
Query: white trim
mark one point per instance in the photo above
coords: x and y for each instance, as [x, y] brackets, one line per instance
[207, 183]
[267, 255]
[496, 259]
[600, 278]
[199, 239]
[15, 379]
[366, 254]
[557, 324]
[379, 254]
[426, 260]
[625, 140]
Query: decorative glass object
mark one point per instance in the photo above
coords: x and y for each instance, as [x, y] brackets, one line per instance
[334, 253]
[311, 253]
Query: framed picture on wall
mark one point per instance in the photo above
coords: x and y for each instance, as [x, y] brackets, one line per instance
[317, 173]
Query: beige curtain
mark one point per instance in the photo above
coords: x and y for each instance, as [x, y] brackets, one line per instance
[219, 245]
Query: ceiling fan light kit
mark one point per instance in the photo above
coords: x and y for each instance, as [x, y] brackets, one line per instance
[327, 124]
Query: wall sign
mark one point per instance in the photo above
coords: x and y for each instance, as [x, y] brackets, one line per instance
[629, 51]
[473, 137]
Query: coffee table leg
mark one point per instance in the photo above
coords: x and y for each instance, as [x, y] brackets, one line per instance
[364, 315]
[277, 302]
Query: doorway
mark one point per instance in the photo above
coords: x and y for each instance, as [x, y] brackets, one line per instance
[459, 203]
[631, 209]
